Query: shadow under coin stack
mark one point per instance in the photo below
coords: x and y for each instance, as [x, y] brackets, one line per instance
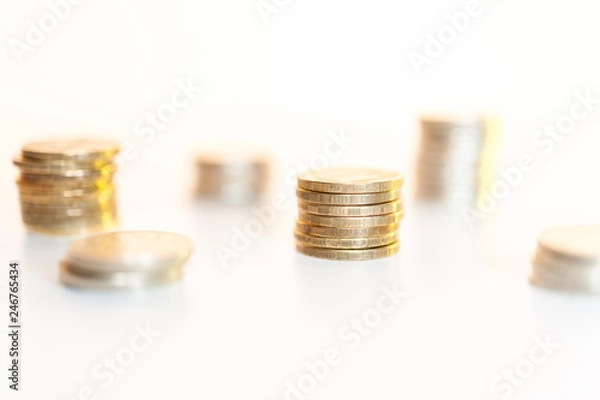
[349, 214]
[125, 260]
[454, 157]
[65, 186]
[232, 179]
[568, 258]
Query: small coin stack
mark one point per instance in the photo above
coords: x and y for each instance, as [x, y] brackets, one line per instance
[454, 158]
[349, 214]
[568, 258]
[232, 178]
[65, 186]
[125, 260]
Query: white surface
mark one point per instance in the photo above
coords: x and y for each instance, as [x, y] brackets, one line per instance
[244, 331]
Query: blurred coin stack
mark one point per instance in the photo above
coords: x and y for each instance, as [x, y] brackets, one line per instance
[568, 258]
[232, 178]
[66, 186]
[125, 260]
[454, 158]
[349, 213]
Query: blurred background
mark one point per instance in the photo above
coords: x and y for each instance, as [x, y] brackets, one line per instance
[289, 76]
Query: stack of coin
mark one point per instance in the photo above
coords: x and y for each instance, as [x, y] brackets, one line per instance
[568, 258]
[65, 186]
[125, 260]
[454, 157]
[349, 213]
[232, 178]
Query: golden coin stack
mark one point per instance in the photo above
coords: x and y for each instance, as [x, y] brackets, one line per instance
[125, 260]
[232, 178]
[568, 258]
[454, 158]
[65, 186]
[349, 214]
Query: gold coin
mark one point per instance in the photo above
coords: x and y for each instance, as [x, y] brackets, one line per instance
[71, 149]
[129, 251]
[349, 255]
[351, 222]
[340, 233]
[577, 241]
[33, 172]
[351, 211]
[67, 198]
[347, 199]
[350, 180]
[345, 243]
[57, 166]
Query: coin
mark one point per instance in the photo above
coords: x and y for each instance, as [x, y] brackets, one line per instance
[58, 167]
[351, 222]
[70, 149]
[232, 177]
[332, 232]
[350, 180]
[568, 258]
[345, 243]
[578, 241]
[350, 211]
[129, 250]
[349, 255]
[347, 199]
[125, 260]
[454, 158]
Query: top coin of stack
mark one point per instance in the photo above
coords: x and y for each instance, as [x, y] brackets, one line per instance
[453, 161]
[232, 178]
[65, 186]
[349, 213]
[568, 258]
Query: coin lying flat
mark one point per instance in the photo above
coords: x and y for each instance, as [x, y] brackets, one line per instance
[350, 180]
[576, 241]
[347, 199]
[351, 211]
[128, 259]
[345, 243]
[70, 148]
[351, 222]
[349, 255]
[568, 258]
[327, 231]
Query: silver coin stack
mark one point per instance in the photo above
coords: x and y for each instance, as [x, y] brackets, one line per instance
[125, 260]
[231, 178]
[451, 163]
[568, 258]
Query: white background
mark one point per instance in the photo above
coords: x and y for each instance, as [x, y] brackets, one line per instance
[316, 66]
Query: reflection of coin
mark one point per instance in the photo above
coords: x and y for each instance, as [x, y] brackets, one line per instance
[69, 149]
[347, 199]
[345, 243]
[350, 211]
[350, 180]
[351, 222]
[349, 255]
